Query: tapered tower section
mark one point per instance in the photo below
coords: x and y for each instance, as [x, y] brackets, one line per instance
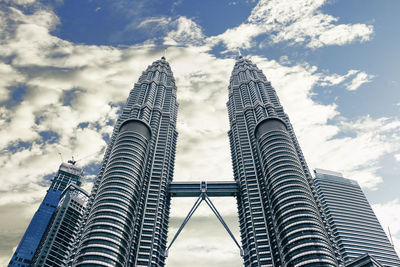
[67, 174]
[280, 220]
[127, 219]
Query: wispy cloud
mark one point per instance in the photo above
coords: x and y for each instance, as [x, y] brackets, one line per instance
[185, 32]
[295, 22]
[335, 79]
[10, 78]
[20, 2]
[359, 80]
[389, 216]
[150, 22]
[353, 80]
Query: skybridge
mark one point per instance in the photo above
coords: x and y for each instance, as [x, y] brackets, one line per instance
[203, 191]
[195, 189]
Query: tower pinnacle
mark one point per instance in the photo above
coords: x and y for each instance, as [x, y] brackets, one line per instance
[239, 54]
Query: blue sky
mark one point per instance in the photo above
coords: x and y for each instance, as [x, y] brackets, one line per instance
[66, 68]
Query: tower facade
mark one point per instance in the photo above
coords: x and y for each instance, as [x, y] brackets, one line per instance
[62, 229]
[67, 173]
[355, 226]
[280, 220]
[127, 219]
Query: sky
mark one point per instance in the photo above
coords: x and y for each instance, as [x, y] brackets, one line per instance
[66, 68]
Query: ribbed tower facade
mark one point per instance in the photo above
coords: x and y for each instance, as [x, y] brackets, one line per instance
[355, 226]
[127, 219]
[280, 218]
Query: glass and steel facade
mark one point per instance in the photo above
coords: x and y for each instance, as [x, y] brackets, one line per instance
[62, 230]
[280, 220]
[126, 222]
[356, 229]
[286, 218]
[67, 173]
[364, 261]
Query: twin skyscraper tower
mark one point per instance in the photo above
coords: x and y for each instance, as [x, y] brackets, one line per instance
[286, 218]
[281, 220]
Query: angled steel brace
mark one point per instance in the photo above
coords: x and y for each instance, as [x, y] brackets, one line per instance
[203, 196]
[214, 209]
[192, 210]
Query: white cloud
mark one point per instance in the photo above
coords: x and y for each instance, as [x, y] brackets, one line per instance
[359, 80]
[158, 21]
[342, 34]
[20, 2]
[185, 32]
[397, 157]
[48, 68]
[9, 77]
[357, 155]
[284, 60]
[335, 79]
[201, 91]
[389, 216]
[239, 37]
[356, 77]
[41, 18]
[204, 241]
[294, 21]
[20, 128]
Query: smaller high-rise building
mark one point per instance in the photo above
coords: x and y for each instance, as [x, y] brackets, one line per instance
[68, 173]
[62, 230]
[364, 261]
[355, 227]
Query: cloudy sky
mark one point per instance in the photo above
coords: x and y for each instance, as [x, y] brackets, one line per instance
[66, 67]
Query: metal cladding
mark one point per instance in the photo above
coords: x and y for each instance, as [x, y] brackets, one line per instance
[356, 228]
[61, 231]
[110, 225]
[67, 174]
[280, 220]
[127, 219]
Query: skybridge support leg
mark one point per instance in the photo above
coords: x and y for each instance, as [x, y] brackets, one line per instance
[203, 196]
[214, 209]
[192, 210]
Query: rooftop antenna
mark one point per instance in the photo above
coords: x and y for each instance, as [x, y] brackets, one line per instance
[59, 153]
[87, 156]
[165, 54]
[239, 53]
[390, 235]
[72, 161]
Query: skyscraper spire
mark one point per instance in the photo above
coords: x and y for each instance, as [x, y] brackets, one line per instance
[280, 221]
[127, 219]
[165, 54]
